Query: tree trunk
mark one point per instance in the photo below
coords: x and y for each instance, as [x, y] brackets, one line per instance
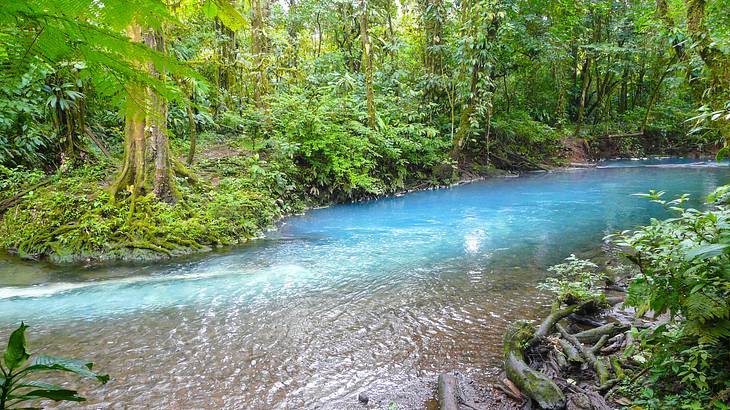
[465, 118]
[367, 63]
[259, 44]
[147, 166]
[583, 94]
[716, 62]
[193, 135]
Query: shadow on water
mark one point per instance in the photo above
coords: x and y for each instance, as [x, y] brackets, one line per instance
[377, 296]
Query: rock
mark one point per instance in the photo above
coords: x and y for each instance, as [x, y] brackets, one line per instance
[363, 397]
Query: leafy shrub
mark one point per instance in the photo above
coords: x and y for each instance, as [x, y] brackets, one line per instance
[684, 272]
[575, 281]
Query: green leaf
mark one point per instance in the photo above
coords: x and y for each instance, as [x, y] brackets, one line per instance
[229, 16]
[706, 251]
[53, 394]
[16, 355]
[210, 9]
[80, 367]
[722, 153]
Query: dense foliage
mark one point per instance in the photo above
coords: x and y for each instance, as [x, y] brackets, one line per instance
[172, 127]
[684, 280]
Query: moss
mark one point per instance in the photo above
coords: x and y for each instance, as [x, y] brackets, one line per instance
[74, 219]
[533, 383]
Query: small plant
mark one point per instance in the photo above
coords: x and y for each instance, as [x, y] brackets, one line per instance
[16, 367]
[576, 280]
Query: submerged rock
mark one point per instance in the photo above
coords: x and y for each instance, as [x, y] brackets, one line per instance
[363, 397]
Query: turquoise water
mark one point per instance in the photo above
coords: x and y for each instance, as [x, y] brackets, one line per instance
[369, 296]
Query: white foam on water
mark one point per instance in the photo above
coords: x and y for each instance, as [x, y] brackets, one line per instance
[52, 289]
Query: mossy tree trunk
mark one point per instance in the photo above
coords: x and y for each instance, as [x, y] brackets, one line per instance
[717, 62]
[259, 48]
[367, 63]
[147, 166]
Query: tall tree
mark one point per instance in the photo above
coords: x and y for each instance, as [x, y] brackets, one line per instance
[717, 63]
[260, 47]
[147, 165]
[367, 63]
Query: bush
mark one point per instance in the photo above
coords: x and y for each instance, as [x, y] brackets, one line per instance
[575, 281]
[684, 265]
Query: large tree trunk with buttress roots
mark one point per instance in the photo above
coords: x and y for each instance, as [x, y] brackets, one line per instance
[148, 166]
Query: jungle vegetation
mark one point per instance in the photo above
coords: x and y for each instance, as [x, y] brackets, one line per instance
[147, 127]
[139, 129]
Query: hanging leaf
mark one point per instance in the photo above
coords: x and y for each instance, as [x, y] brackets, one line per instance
[229, 16]
[16, 354]
[210, 9]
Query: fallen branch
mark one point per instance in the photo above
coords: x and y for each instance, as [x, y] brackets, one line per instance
[448, 392]
[17, 198]
[97, 142]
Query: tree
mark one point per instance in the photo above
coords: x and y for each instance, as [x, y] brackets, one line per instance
[717, 63]
[147, 166]
[367, 63]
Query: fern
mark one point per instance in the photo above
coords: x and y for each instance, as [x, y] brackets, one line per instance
[52, 31]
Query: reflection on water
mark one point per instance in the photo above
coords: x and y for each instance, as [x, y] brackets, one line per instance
[363, 296]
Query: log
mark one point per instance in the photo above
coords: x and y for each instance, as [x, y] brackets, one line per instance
[532, 383]
[593, 335]
[448, 392]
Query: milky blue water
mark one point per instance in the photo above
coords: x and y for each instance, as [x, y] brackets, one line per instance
[366, 296]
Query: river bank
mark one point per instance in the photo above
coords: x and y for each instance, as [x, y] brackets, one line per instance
[69, 218]
[235, 194]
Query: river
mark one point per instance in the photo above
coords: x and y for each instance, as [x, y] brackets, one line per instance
[379, 296]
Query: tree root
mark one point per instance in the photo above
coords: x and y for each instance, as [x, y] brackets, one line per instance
[532, 383]
[598, 364]
[595, 334]
[571, 352]
[16, 199]
[546, 327]
[144, 245]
